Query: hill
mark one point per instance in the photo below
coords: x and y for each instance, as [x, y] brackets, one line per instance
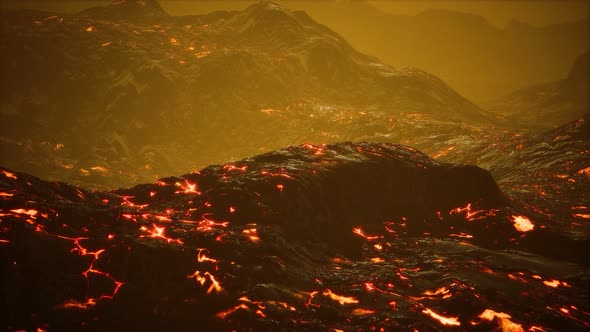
[115, 90]
[551, 104]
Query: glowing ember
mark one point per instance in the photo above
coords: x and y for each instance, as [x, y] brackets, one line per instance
[207, 225]
[9, 174]
[339, 260]
[451, 321]
[83, 251]
[187, 188]
[31, 213]
[339, 298]
[522, 223]
[585, 171]
[310, 300]
[471, 214]
[202, 279]
[317, 150]
[202, 257]
[503, 320]
[369, 286]
[129, 216]
[280, 187]
[260, 313]
[99, 169]
[444, 291]
[462, 235]
[230, 168]
[252, 234]
[358, 231]
[158, 232]
[79, 305]
[163, 218]
[127, 202]
[556, 283]
[224, 314]
[362, 312]
[3, 194]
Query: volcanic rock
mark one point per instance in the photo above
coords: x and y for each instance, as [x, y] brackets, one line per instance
[307, 237]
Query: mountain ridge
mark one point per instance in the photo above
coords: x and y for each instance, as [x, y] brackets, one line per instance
[488, 68]
[549, 104]
[137, 90]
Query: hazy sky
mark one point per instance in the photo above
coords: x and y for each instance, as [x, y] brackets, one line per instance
[537, 13]
[497, 12]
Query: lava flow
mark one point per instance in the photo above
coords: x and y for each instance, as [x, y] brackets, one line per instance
[342, 193]
[181, 254]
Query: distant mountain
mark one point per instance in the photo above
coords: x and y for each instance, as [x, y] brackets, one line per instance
[105, 90]
[550, 104]
[478, 59]
[128, 9]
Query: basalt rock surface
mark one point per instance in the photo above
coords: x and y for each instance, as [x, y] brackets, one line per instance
[342, 236]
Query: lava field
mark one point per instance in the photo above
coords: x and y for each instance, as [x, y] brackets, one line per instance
[322, 191]
[334, 237]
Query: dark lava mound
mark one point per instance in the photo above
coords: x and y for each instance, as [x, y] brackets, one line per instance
[328, 237]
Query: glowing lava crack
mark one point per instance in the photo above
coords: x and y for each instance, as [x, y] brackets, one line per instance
[330, 237]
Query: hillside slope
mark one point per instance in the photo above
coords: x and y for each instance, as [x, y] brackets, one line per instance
[124, 90]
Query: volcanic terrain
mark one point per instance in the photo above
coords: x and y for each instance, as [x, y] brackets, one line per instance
[322, 191]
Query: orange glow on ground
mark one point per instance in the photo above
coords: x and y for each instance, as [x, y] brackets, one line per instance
[202, 279]
[472, 214]
[522, 223]
[202, 257]
[158, 233]
[503, 320]
[450, 321]
[187, 188]
[9, 175]
[358, 231]
[31, 212]
[224, 314]
[362, 312]
[79, 305]
[555, 283]
[340, 298]
[252, 234]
